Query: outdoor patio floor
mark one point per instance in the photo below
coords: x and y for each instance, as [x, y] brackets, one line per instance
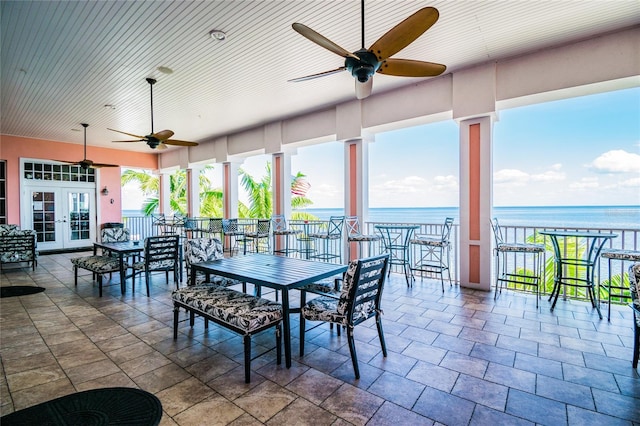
[458, 358]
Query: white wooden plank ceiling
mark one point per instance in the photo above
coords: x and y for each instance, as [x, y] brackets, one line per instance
[63, 61]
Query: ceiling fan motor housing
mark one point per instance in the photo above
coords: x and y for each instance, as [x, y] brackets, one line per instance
[365, 68]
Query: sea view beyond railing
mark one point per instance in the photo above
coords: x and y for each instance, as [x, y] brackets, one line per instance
[627, 239]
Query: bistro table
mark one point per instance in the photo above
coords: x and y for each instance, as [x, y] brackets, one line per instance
[123, 250]
[396, 242]
[569, 262]
[277, 272]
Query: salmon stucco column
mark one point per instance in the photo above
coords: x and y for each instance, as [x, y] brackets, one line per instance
[356, 173]
[475, 202]
[230, 188]
[281, 189]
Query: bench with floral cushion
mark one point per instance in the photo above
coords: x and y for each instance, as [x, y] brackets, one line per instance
[18, 245]
[634, 287]
[239, 312]
[98, 265]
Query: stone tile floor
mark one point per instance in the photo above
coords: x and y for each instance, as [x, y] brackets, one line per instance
[458, 358]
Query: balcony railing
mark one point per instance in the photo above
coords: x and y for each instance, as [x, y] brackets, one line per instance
[628, 239]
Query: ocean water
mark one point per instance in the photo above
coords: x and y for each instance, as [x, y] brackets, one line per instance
[614, 217]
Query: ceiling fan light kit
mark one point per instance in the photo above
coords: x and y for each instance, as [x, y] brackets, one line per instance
[364, 63]
[154, 140]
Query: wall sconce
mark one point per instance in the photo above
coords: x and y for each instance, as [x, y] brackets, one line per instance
[104, 191]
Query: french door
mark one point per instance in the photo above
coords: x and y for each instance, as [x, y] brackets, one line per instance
[63, 217]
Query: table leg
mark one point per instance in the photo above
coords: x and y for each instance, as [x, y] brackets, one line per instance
[286, 327]
[123, 275]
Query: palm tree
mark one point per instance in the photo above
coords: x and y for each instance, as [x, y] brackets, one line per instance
[260, 194]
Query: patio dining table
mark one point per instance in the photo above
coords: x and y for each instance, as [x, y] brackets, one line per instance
[573, 268]
[276, 272]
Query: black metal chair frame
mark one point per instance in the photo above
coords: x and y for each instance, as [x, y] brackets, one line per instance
[334, 233]
[262, 232]
[158, 249]
[355, 235]
[505, 276]
[231, 230]
[437, 258]
[367, 274]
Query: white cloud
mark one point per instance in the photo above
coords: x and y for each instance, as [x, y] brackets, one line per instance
[616, 161]
[631, 183]
[585, 183]
[446, 183]
[515, 177]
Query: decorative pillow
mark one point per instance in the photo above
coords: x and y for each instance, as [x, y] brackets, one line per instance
[114, 235]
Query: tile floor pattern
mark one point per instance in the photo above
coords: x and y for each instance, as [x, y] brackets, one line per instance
[458, 358]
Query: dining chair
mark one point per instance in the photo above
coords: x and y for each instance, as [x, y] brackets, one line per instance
[358, 300]
[505, 257]
[232, 231]
[261, 232]
[435, 253]
[634, 288]
[197, 250]
[159, 222]
[355, 235]
[161, 253]
[333, 234]
[279, 226]
[215, 228]
[613, 286]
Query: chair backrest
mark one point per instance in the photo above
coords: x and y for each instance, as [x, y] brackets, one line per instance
[335, 225]
[497, 232]
[158, 219]
[353, 226]
[446, 229]
[264, 226]
[362, 288]
[634, 284]
[229, 225]
[198, 250]
[279, 222]
[6, 229]
[114, 235]
[215, 225]
[161, 251]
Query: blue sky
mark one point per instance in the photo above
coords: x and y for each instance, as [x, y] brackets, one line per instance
[578, 151]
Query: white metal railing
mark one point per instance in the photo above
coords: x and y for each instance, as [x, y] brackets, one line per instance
[628, 239]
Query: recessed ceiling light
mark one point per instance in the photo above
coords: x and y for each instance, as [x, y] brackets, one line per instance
[75, 130]
[109, 106]
[165, 70]
[218, 35]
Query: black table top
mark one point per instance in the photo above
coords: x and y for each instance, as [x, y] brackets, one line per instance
[271, 271]
[123, 247]
[106, 406]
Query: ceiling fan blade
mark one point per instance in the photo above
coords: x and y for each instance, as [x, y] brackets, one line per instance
[178, 142]
[400, 36]
[137, 140]
[125, 133]
[363, 90]
[321, 40]
[320, 74]
[410, 68]
[163, 135]
[99, 165]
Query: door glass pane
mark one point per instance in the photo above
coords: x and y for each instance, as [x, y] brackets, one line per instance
[79, 215]
[44, 202]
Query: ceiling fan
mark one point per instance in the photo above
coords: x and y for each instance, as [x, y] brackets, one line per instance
[85, 164]
[158, 140]
[364, 63]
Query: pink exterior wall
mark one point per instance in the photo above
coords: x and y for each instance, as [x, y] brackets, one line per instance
[12, 148]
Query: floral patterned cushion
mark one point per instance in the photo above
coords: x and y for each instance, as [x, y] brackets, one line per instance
[232, 307]
[432, 242]
[98, 264]
[364, 237]
[634, 287]
[530, 248]
[115, 235]
[7, 228]
[163, 264]
[17, 249]
[630, 255]
[198, 250]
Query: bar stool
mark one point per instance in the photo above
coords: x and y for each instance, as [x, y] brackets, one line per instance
[279, 224]
[334, 233]
[354, 235]
[261, 232]
[522, 276]
[231, 230]
[435, 253]
[623, 256]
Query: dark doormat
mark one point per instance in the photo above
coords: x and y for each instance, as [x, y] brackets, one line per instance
[19, 290]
